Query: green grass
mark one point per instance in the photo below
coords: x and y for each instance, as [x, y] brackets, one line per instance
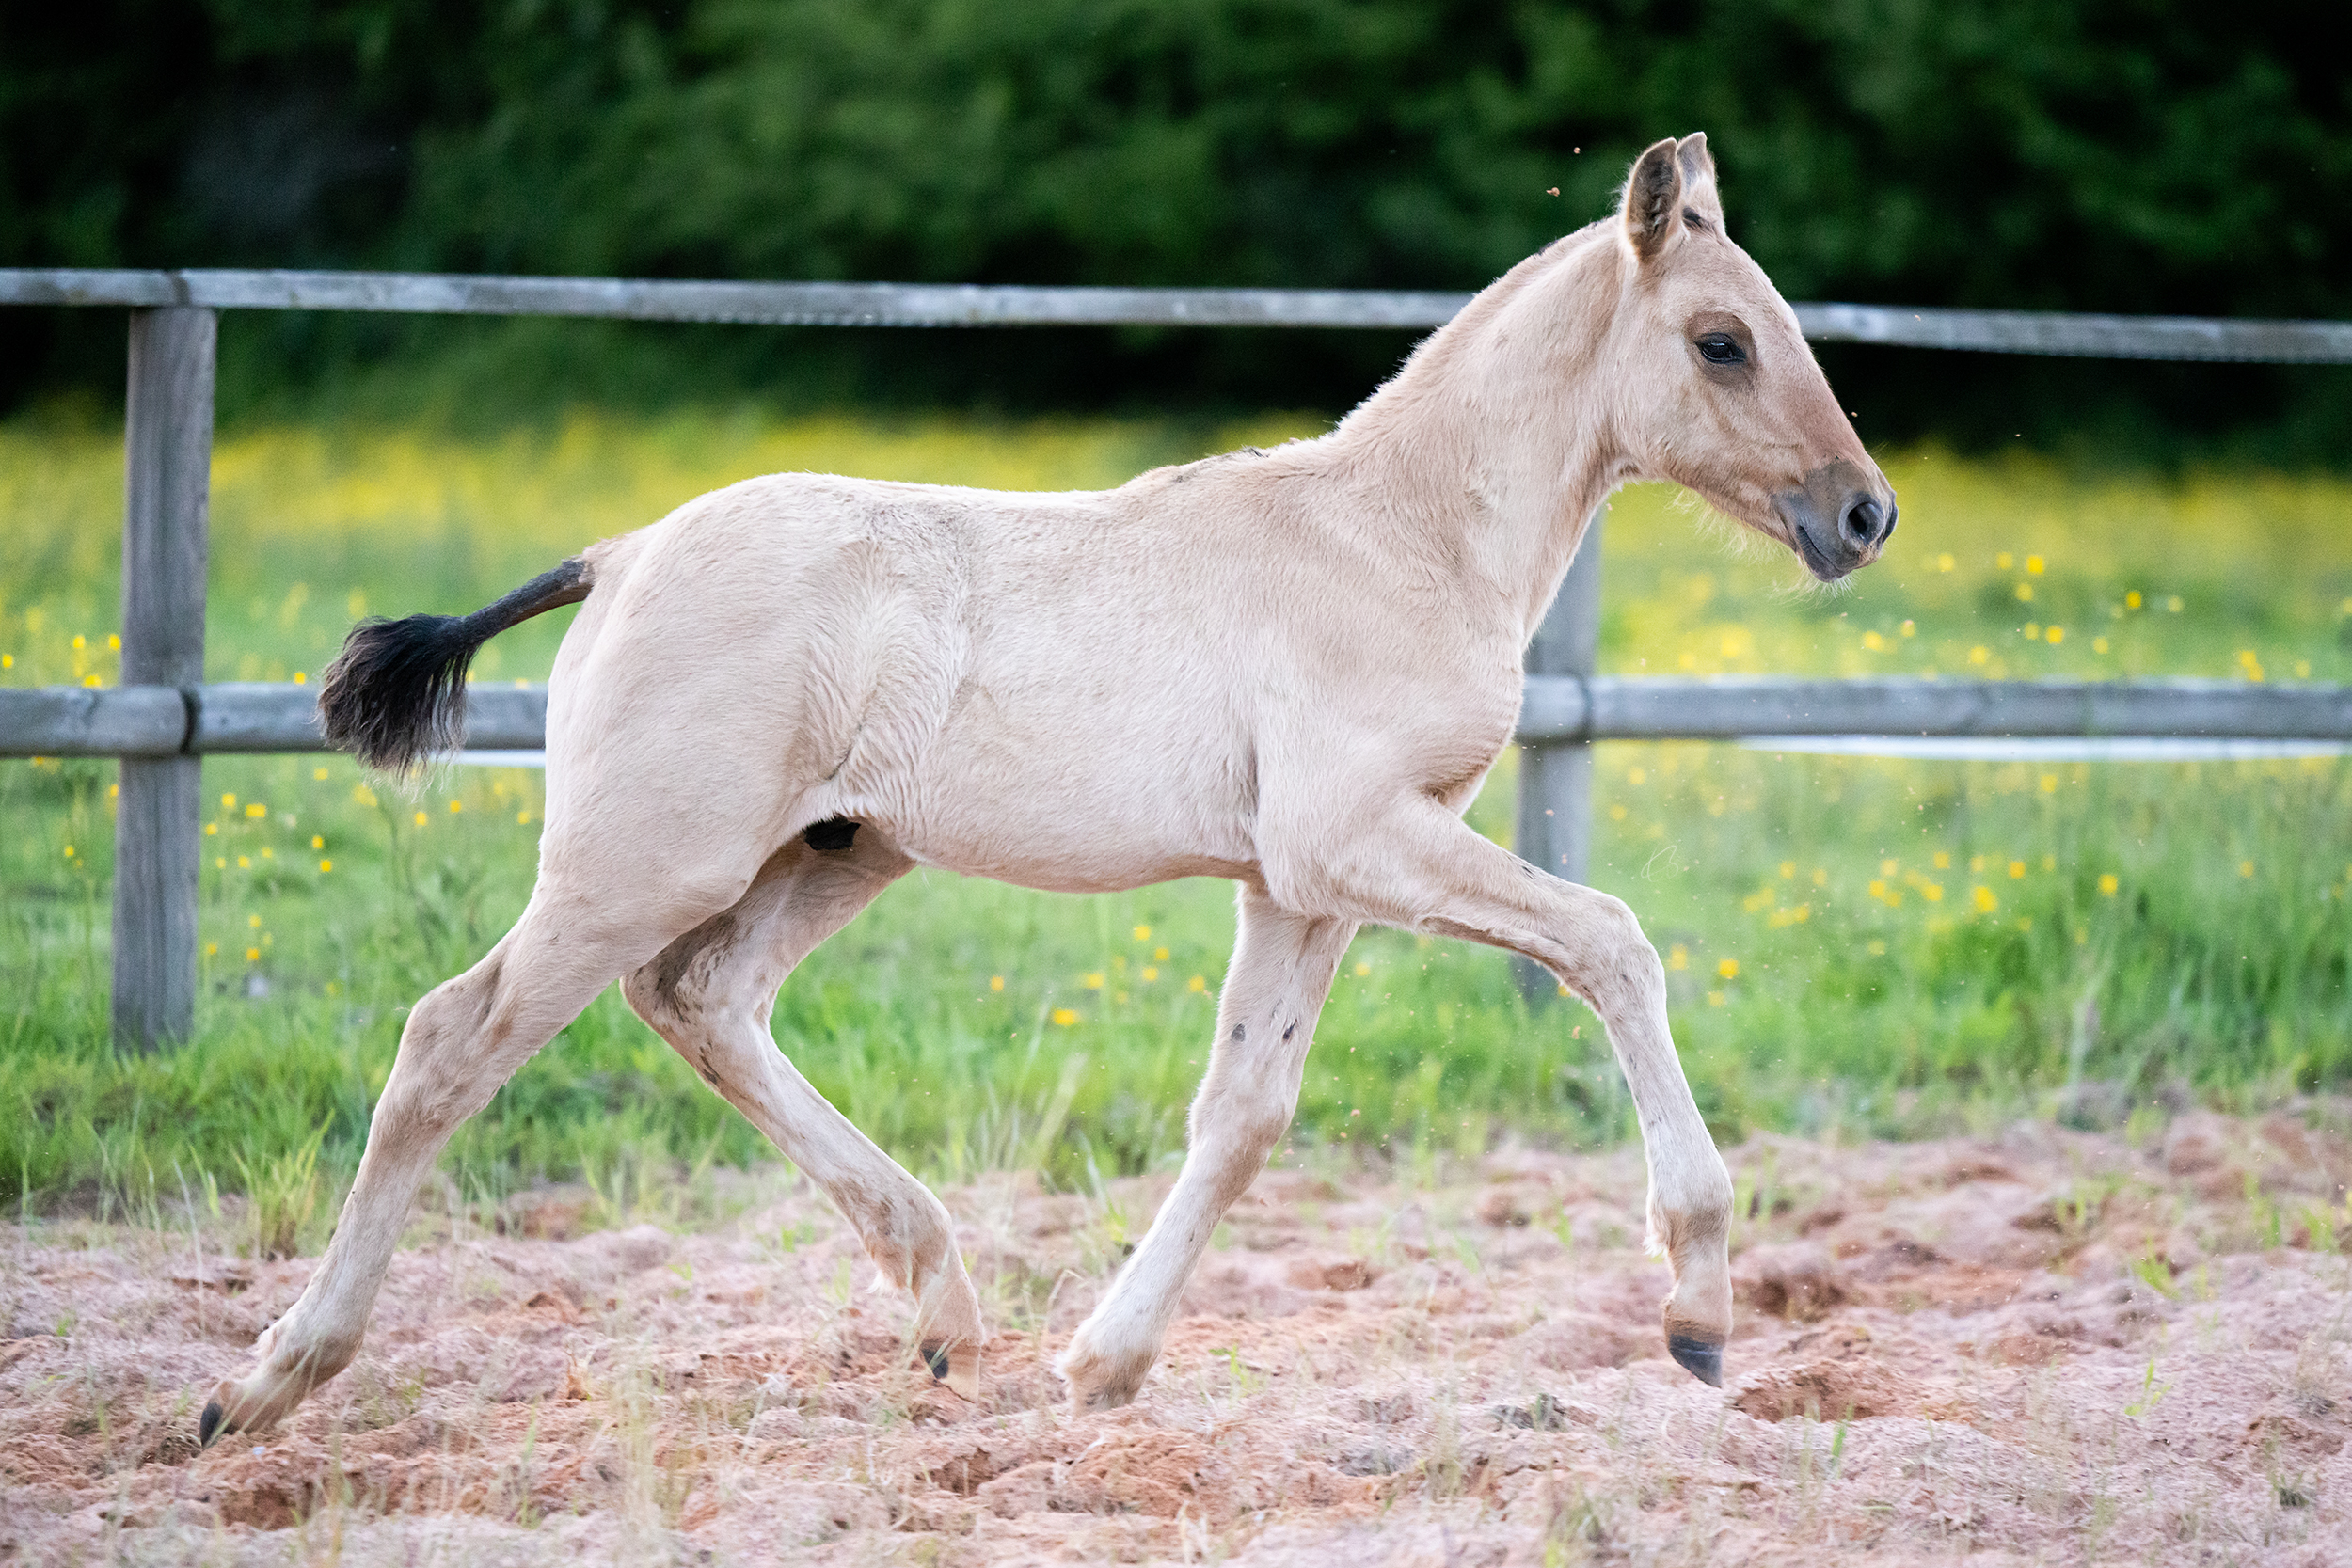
[1835, 966]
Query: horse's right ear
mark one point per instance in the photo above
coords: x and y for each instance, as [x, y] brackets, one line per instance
[1652, 210]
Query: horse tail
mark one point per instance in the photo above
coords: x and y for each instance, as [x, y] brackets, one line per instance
[396, 694]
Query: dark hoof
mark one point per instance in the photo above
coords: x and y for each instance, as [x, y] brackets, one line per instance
[935, 1358]
[209, 1424]
[1701, 1359]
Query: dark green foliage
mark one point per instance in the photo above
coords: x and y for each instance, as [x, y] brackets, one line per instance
[2082, 154]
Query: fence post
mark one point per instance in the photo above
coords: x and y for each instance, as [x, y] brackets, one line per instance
[1555, 825]
[167, 459]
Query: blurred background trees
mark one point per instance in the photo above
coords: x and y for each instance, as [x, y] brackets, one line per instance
[2115, 155]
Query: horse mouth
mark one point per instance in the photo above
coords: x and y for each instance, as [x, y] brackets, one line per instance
[1817, 561]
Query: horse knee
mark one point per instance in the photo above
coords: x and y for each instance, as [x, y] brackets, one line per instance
[1609, 960]
[1258, 1127]
[1246, 1109]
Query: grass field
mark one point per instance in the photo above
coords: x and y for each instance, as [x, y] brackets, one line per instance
[1854, 944]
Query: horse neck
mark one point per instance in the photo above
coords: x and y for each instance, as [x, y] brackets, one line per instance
[1490, 448]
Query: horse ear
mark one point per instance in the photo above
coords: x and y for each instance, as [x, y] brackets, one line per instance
[1653, 201]
[1698, 178]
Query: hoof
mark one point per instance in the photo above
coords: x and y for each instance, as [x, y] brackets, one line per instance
[956, 1366]
[210, 1424]
[1702, 1358]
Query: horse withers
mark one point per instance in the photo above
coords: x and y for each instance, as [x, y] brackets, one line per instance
[1289, 668]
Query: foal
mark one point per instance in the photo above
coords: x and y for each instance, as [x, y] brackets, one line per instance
[1288, 668]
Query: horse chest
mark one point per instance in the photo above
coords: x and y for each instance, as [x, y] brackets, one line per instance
[1432, 728]
[1468, 732]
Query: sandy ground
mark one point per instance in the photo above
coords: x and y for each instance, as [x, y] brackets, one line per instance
[2044, 1347]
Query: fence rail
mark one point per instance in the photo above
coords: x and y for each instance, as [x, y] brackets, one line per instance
[247, 717]
[163, 721]
[1008, 304]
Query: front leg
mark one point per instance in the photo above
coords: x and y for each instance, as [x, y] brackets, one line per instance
[1420, 868]
[1283, 964]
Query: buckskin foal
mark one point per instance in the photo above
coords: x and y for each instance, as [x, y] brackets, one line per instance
[1289, 668]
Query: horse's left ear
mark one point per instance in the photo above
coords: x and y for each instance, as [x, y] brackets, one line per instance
[1652, 212]
[1698, 179]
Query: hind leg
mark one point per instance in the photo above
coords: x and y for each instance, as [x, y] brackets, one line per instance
[590, 920]
[461, 1042]
[708, 994]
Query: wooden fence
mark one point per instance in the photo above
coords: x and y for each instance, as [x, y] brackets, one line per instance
[162, 720]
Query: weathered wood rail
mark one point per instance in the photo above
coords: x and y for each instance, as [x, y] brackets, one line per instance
[162, 720]
[1014, 305]
[1557, 710]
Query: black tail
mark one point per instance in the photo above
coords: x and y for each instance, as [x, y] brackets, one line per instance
[396, 694]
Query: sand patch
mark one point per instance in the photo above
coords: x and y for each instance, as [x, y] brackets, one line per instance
[2049, 1345]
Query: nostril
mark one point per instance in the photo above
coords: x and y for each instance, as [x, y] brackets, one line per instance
[1860, 521]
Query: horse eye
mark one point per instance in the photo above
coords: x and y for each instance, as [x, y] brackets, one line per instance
[1720, 350]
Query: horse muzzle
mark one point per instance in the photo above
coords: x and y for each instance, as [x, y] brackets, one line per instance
[1837, 520]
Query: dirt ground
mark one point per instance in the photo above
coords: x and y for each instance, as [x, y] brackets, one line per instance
[2043, 1346]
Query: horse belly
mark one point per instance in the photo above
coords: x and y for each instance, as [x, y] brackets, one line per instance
[1077, 808]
